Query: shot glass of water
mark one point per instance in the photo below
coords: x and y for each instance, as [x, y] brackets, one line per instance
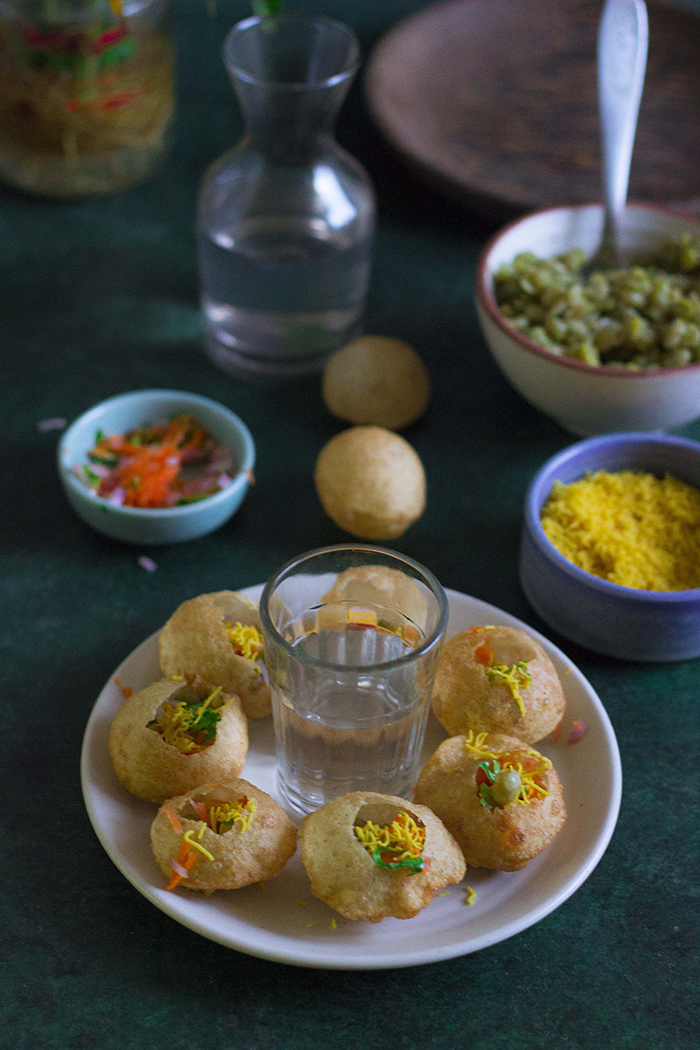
[352, 638]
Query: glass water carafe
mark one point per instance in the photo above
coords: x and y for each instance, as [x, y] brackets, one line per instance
[286, 218]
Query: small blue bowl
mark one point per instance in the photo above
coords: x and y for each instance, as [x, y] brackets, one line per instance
[619, 621]
[169, 524]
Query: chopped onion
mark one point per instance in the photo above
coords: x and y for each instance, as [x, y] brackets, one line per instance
[100, 470]
[262, 667]
[577, 733]
[117, 496]
[178, 868]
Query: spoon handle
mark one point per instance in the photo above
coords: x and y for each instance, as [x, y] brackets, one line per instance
[623, 39]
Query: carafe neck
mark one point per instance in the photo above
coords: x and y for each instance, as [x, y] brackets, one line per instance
[291, 74]
[288, 125]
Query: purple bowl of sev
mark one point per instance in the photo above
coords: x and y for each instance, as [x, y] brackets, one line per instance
[624, 622]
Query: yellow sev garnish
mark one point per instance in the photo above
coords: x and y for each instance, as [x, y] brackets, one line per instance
[187, 837]
[219, 817]
[245, 639]
[396, 845]
[189, 725]
[529, 764]
[186, 859]
[225, 815]
[516, 677]
[629, 527]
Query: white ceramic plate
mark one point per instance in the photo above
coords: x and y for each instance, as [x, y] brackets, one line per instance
[284, 922]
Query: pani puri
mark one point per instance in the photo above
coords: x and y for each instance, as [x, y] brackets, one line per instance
[370, 482]
[497, 680]
[407, 856]
[376, 380]
[174, 735]
[221, 837]
[380, 585]
[219, 637]
[501, 800]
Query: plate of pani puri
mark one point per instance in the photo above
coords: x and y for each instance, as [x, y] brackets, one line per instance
[280, 919]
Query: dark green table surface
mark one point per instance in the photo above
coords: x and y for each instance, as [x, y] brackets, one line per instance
[100, 297]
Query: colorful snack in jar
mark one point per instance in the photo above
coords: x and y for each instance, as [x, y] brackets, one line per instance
[174, 735]
[219, 637]
[501, 800]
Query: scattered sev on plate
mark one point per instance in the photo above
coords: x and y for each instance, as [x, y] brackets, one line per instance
[630, 528]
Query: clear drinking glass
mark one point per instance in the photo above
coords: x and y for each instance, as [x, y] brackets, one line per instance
[352, 638]
[86, 93]
[286, 218]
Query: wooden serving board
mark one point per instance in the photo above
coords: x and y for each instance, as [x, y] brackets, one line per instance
[495, 101]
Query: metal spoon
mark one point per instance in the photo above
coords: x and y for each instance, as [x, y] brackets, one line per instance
[623, 38]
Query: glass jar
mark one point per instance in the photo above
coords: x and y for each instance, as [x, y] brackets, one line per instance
[86, 93]
[286, 218]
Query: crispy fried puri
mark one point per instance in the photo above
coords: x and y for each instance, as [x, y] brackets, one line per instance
[195, 641]
[380, 585]
[371, 482]
[504, 838]
[241, 855]
[466, 696]
[154, 770]
[376, 379]
[344, 875]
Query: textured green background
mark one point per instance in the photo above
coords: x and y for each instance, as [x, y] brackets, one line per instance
[101, 297]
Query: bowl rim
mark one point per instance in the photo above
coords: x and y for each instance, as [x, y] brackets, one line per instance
[487, 300]
[154, 514]
[534, 500]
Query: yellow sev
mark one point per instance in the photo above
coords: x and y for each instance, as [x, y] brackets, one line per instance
[516, 677]
[238, 815]
[528, 763]
[630, 528]
[245, 639]
[177, 722]
[216, 817]
[403, 838]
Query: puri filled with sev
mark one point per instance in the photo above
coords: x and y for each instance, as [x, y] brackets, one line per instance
[500, 799]
[174, 735]
[221, 837]
[382, 586]
[497, 679]
[219, 637]
[370, 856]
